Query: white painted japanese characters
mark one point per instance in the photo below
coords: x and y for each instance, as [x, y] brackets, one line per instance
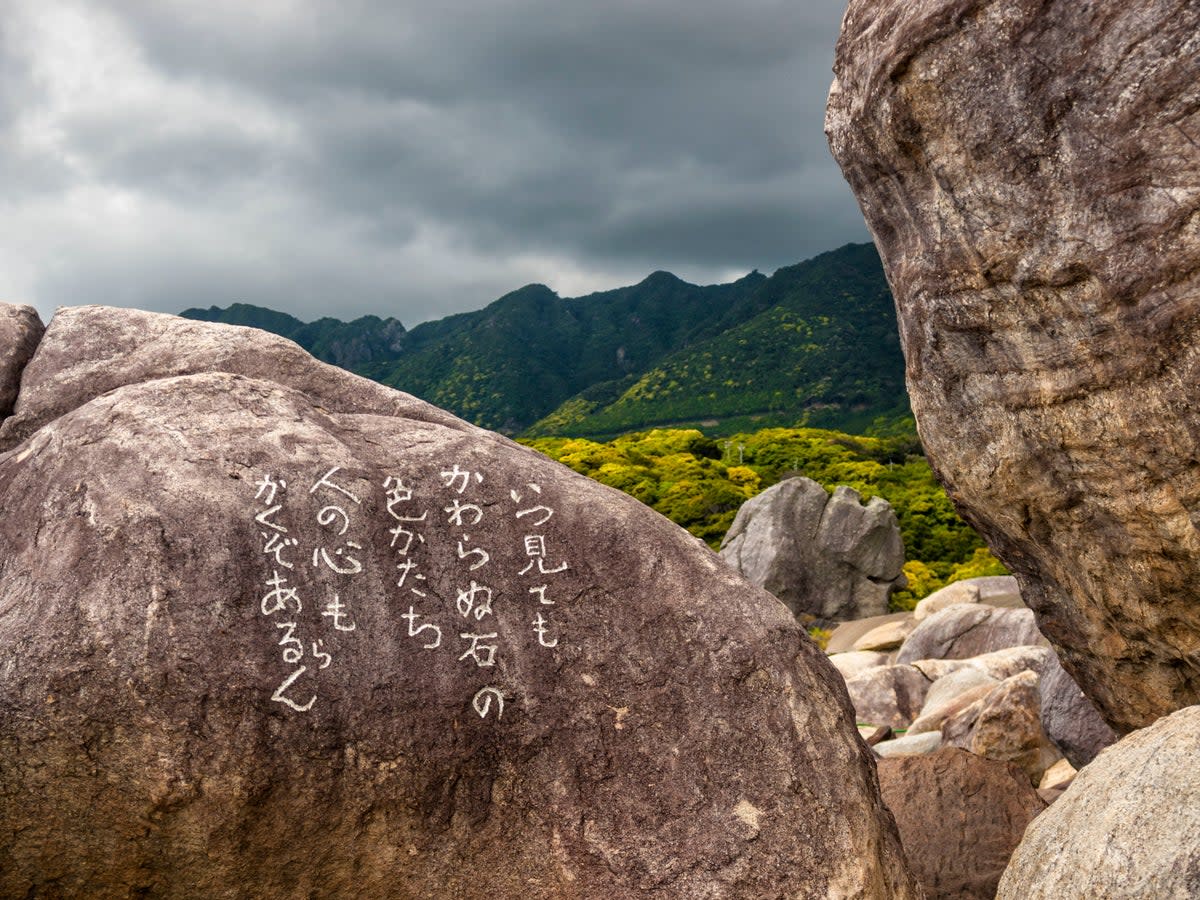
[443, 522]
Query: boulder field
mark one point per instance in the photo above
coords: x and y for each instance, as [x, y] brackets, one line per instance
[271, 629]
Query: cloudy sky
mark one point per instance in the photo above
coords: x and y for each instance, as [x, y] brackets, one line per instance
[407, 157]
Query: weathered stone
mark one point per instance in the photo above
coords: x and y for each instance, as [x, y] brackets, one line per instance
[1000, 664]
[1030, 175]
[960, 816]
[1058, 775]
[994, 590]
[20, 330]
[958, 722]
[999, 590]
[1070, 718]
[562, 695]
[844, 635]
[1126, 828]
[909, 745]
[888, 636]
[951, 595]
[827, 558]
[961, 632]
[850, 664]
[891, 695]
[1009, 728]
[947, 695]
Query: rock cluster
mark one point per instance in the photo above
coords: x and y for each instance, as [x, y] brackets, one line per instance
[980, 678]
[1030, 175]
[828, 558]
[974, 741]
[266, 623]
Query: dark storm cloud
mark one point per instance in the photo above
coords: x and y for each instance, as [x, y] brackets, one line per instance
[411, 159]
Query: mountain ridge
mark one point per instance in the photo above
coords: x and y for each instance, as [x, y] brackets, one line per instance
[814, 343]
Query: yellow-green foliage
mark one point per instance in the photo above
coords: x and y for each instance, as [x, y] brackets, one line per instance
[699, 483]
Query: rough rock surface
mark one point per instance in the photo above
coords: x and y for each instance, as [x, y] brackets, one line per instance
[1029, 173]
[994, 590]
[1000, 664]
[1127, 827]
[961, 632]
[827, 558]
[1070, 718]
[1009, 728]
[947, 695]
[20, 330]
[890, 695]
[960, 816]
[461, 671]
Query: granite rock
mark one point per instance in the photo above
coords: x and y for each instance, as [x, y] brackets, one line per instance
[266, 624]
[1030, 176]
[828, 558]
[909, 745]
[855, 661]
[1127, 826]
[1070, 718]
[889, 695]
[20, 330]
[1009, 728]
[960, 817]
[962, 632]
[949, 694]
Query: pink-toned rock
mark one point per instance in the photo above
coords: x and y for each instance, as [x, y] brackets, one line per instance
[20, 331]
[960, 816]
[1126, 828]
[270, 630]
[948, 695]
[1009, 727]
[856, 661]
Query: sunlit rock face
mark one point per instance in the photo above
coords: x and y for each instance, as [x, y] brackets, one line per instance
[269, 628]
[1031, 174]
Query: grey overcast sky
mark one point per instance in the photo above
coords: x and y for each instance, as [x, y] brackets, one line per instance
[407, 157]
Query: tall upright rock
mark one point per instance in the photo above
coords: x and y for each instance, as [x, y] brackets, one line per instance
[1030, 171]
[266, 626]
[828, 558]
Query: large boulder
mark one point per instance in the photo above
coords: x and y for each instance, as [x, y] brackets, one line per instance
[960, 816]
[1127, 826]
[1029, 173]
[267, 626]
[828, 558]
[961, 632]
[20, 331]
